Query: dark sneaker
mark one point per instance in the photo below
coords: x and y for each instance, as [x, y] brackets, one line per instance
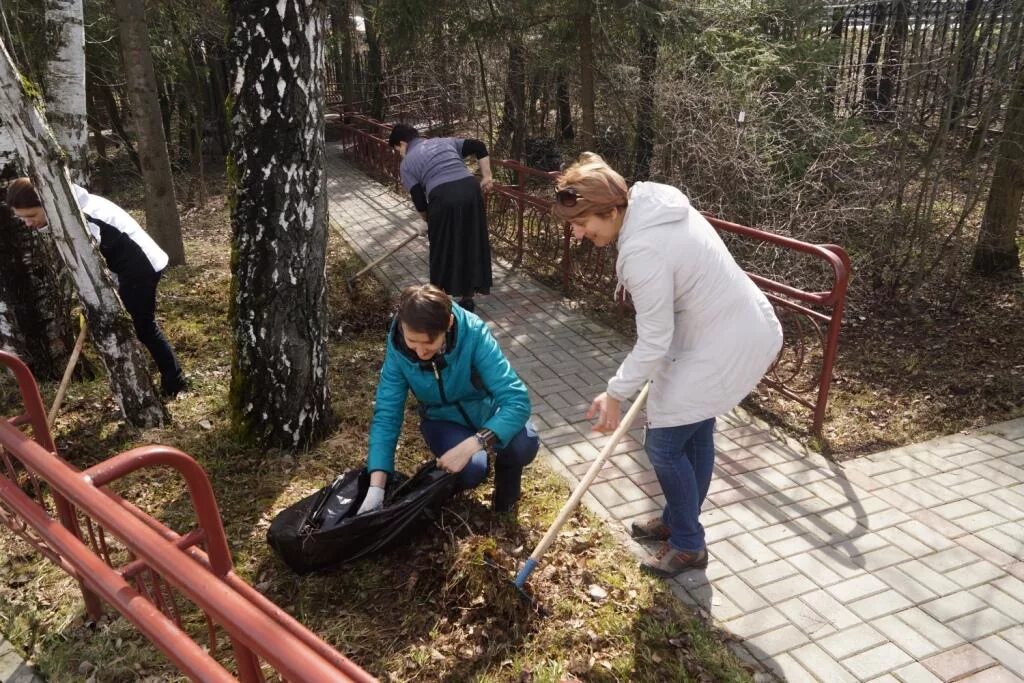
[172, 389]
[668, 561]
[468, 304]
[652, 529]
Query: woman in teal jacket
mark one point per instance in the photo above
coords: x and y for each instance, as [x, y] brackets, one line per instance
[470, 398]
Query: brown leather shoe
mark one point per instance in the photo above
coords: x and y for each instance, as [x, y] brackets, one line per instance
[668, 561]
[652, 529]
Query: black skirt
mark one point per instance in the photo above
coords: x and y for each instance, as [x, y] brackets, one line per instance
[460, 251]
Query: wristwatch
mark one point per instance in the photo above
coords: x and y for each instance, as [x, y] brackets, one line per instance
[486, 438]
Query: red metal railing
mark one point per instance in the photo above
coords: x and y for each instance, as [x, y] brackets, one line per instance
[156, 578]
[524, 231]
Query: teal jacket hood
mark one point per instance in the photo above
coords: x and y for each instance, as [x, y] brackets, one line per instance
[470, 383]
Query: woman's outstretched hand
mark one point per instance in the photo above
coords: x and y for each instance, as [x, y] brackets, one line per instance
[607, 411]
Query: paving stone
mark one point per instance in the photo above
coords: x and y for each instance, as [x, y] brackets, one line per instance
[985, 549]
[745, 597]
[830, 608]
[1001, 601]
[856, 588]
[898, 500]
[958, 509]
[789, 587]
[788, 669]
[981, 623]
[839, 561]
[979, 521]
[995, 674]
[852, 641]
[857, 546]
[883, 557]
[917, 492]
[975, 574]
[907, 638]
[751, 546]
[627, 489]
[796, 545]
[743, 514]
[952, 558]
[1006, 653]
[916, 673]
[992, 501]
[816, 570]
[958, 663]
[929, 627]
[905, 585]
[822, 665]
[954, 606]
[755, 623]
[888, 517]
[880, 604]
[776, 641]
[940, 526]
[635, 508]
[897, 476]
[929, 577]
[806, 619]
[1012, 586]
[722, 531]
[729, 555]
[767, 573]
[876, 661]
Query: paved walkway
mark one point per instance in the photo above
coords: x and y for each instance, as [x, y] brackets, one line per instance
[904, 566]
[14, 669]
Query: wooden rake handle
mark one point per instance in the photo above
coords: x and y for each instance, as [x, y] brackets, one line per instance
[68, 371]
[581, 488]
[376, 261]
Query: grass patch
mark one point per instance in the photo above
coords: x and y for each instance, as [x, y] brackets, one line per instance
[441, 609]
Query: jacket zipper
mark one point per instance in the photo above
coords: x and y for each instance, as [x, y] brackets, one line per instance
[440, 384]
[444, 398]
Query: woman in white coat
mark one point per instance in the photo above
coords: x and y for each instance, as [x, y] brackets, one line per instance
[705, 337]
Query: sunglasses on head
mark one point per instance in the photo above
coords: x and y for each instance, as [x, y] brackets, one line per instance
[568, 197]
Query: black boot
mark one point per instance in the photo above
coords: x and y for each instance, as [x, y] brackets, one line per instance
[467, 303]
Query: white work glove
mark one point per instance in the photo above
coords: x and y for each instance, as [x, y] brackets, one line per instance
[374, 500]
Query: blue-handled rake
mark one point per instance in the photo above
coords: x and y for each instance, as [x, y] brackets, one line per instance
[581, 488]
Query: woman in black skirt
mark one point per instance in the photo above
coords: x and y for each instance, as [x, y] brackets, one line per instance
[451, 201]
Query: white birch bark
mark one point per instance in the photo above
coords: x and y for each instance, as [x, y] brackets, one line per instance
[110, 329]
[279, 296]
[64, 83]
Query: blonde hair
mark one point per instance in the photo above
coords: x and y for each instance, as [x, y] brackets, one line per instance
[599, 186]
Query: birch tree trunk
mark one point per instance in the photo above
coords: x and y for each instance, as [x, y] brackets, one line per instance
[64, 84]
[36, 295]
[162, 221]
[111, 331]
[279, 220]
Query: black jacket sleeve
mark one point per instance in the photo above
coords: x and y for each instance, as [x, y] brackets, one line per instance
[475, 147]
[419, 197]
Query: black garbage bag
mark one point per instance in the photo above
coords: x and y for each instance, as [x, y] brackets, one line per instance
[322, 531]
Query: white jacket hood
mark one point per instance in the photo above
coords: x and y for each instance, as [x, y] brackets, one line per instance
[652, 205]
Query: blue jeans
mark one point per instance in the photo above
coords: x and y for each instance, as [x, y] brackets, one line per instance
[684, 459]
[509, 462]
